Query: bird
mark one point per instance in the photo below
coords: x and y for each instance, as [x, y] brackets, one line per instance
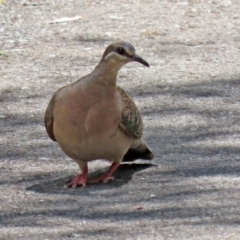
[93, 118]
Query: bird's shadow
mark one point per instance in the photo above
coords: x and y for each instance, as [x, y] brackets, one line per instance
[122, 176]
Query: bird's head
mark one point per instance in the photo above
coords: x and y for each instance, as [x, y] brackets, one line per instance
[121, 53]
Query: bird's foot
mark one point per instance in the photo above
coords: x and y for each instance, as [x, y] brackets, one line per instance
[103, 179]
[79, 180]
[108, 175]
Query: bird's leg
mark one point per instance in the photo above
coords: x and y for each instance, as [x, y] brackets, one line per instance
[81, 179]
[107, 176]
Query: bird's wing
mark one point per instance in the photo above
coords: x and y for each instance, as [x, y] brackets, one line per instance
[131, 122]
[48, 118]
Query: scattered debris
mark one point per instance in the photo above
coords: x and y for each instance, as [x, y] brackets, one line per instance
[65, 19]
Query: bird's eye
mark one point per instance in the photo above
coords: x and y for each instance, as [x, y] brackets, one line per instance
[120, 50]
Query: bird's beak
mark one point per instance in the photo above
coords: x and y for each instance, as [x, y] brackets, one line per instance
[137, 58]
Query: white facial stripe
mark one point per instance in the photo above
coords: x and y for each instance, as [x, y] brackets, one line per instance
[128, 52]
[115, 55]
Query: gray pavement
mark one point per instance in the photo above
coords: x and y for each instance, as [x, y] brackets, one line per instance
[189, 99]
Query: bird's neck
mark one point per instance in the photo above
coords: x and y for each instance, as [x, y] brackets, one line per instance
[101, 80]
[106, 73]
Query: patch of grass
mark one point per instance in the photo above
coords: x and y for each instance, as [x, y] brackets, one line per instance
[2, 53]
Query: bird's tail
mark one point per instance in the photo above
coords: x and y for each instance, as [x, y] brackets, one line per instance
[140, 152]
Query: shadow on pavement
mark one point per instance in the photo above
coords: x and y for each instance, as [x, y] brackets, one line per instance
[122, 176]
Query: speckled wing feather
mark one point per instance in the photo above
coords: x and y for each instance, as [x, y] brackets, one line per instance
[131, 117]
[48, 118]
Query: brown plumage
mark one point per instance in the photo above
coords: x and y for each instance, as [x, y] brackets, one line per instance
[93, 118]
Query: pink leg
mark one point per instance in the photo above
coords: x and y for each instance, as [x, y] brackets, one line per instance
[79, 180]
[107, 176]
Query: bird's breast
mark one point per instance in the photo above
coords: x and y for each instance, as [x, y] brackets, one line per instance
[89, 129]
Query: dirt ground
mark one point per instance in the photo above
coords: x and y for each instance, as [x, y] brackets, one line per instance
[189, 99]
